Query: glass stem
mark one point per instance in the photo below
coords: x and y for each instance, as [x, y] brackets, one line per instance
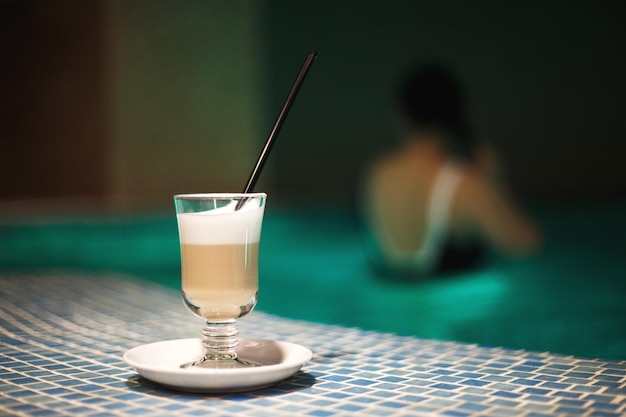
[220, 341]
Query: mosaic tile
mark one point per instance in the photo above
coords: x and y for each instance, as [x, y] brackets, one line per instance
[88, 322]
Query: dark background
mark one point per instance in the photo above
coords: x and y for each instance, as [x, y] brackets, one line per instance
[546, 81]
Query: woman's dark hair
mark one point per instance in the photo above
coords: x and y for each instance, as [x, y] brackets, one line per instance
[431, 97]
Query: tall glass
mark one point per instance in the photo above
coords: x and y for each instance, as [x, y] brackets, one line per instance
[219, 247]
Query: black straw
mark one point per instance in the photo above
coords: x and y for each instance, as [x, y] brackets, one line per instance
[254, 176]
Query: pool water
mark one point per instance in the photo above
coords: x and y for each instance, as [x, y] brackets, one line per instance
[571, 298]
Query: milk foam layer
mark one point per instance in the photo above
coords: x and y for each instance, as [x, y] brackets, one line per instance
[221, 226]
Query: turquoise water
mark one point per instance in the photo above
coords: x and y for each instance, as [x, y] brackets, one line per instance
[570, 299]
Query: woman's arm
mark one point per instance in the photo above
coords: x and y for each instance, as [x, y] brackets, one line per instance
[498, 218]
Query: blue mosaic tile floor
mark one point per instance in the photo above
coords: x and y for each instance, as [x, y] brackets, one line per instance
[62, 335]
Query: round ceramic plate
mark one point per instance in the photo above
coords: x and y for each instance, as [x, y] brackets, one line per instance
[160, 362]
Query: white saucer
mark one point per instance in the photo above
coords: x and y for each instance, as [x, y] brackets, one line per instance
[160, 362]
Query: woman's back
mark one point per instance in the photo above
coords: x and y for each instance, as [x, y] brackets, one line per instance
[422, 204]
[398, 191]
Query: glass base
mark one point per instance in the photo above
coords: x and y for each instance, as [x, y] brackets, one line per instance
[209, 363]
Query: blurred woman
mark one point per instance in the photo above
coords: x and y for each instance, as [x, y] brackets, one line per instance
[435, 203]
